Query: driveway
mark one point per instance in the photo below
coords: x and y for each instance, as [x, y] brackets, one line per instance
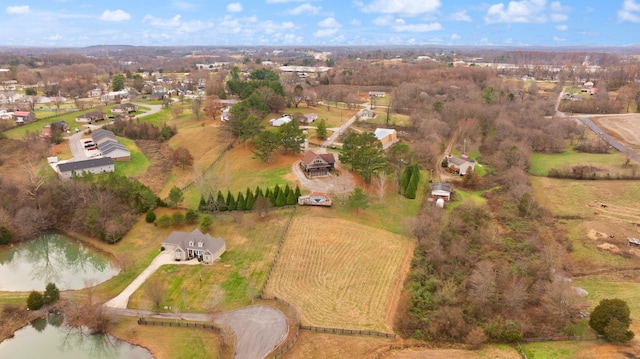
[77, 148]
[153, 109]
[344, 183]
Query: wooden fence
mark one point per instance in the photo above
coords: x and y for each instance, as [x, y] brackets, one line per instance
[177, 324]
[280, 243]
[372, 333]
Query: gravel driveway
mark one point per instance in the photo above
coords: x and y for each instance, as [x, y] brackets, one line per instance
[344, 183]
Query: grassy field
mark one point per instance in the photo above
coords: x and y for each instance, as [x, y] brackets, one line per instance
[231, 282]
[319, 274]
[168, 343]
[610, 162]
[138, 164]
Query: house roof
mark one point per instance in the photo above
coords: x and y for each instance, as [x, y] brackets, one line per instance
[457, 160]
[440, 187]
[381, 133]
[108, 148]
[21, 113]
[86, 164]
[182, 239]
[310, 156]
[100, 134]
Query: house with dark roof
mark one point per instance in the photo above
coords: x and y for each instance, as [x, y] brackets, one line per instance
[317, 164]
[79, 168]
[189, 245]
[50, 128]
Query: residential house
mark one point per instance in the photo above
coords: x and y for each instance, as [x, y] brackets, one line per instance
[124, 108]
[79, 168]
[91, 117]
[441, 190]
[377, 94]
[315, 199]
[22, 117]
[189, 245]
[317, 164]
[365, 114]
[460, 165]
[277, 122]
[50, 128]
[158, 96]
[309, 117]
[386, 136]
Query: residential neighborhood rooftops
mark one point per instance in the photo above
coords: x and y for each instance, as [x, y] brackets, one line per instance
[195, 240]
[86, 164]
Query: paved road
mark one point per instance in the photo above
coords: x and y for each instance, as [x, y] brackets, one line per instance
[153, 109]
[336, 132]
[77, 149]
[609, 139]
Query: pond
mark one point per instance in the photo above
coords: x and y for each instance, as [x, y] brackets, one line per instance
[52, 257]
[55, 340]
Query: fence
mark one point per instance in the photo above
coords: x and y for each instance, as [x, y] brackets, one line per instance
[176, 324]
[280, 243]
[283, 348]
[347, 331]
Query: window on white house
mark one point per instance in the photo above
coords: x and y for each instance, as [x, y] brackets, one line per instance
[200, 244]
[191, 243]
[177, 254]
[207, 257]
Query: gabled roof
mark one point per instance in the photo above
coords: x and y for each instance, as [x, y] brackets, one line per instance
[310, 156]
[182, 239]
[109, 147]
[100, 134]
[86, 164]
[440, 187]
[21, 113]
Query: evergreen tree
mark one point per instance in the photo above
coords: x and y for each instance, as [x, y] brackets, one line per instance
[211, 203]
[150, 217]
[191, 216]
[221, 203]
[276, 190]
[404, 179]
[291, 199]
[202, 205]
[258, 193]
[240, 202]
[281, 200]
[35, 300]
[412, 187]
[249, 201]
[287, 189]
[206, 223]
[231, 202]
[298, 192]
[51, 294]
[358, 199]
[272, 197]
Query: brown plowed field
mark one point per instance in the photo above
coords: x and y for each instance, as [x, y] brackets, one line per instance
[341, 274]
[625, 129]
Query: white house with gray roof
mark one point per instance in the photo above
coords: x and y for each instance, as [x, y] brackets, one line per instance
[188, 245]
[79, 168]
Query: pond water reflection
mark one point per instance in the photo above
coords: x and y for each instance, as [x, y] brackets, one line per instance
[52, 339]
[52, 257]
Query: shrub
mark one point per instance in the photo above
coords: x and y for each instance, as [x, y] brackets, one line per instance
[177, 218]
[611, 318]
[51, 294]
[5, 235]
[191, 216]
[164, 221]
[476, 338]
[35, 300]
[206, 223]
[150, 217]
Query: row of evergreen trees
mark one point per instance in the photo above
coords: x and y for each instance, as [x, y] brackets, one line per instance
[277, 197]
[409, 181]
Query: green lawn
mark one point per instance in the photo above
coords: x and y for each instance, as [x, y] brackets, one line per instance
[552, 350]
[235, 279]
[542, 163]
[138, 164]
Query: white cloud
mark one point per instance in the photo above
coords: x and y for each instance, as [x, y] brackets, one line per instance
[307, 9]
[455, 37]
[355, 22]
[558, 39]
[53, 37]
[629, 12]
[330, 26]
[383, 20]
[183, 5]
[159, 22]
[559, 17]
[234, 7]
[562, 27]
[18, 10]
[402, 7]
[460, 16]
[525, 11]
[434, 26]
[115, 16]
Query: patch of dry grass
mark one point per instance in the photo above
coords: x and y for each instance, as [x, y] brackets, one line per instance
[168, 343]
[341, 274]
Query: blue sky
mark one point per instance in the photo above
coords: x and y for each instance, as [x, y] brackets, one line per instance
[321, 22]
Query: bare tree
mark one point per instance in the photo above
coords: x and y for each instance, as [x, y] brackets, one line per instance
[156, 291]
[381, 181]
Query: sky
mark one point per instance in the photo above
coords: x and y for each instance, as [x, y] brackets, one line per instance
[78, 23]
